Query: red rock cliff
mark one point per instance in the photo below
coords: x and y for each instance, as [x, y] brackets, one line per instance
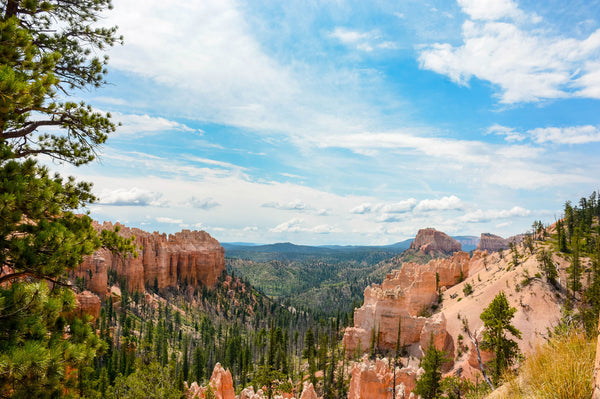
[192, 256]
[431, 240]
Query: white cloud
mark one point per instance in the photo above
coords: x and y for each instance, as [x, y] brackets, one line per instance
[399, 207]
[363, 41]
[202, 203]
[491, 9]
[557, 135]
[162, 219]
[509, 133]
[131, 197]
[443, 204]
[527, 65]
[363, 209]
[566, 135]
[296, 205]
[480, 216]
[291, 226]
[140, 124]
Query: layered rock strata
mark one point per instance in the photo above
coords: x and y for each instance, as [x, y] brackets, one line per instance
[163, 261]
[88, 303]
[399, 301]
[430, 240]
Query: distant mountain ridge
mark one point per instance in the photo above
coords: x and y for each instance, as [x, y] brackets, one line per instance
[233, 249]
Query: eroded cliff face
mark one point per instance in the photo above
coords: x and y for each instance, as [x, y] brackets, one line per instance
[431, 240]
[188, 256]
[400, 299]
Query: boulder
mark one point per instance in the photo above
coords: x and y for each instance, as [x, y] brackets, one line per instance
[430, 240]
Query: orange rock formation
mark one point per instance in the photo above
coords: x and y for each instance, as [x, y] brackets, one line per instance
[88, 303]
[431, 240]
[192, 256]
[221, 384]
[402, 296]
[374, 380]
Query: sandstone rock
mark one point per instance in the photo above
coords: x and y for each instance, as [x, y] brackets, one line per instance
[308, 391]
[88, 303]
[403, 295]
[374, 380]
[435, 327]
[221, 384]
[188, 256]
[431, 240]
[491, 243]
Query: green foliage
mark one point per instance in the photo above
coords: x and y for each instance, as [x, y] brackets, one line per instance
[152, 381]
[429, 384]
[496, 321]
[548, 267]
[468, 289]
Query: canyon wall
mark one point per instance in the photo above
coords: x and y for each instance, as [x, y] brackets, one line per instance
[401, 299]
[431, 240]
[188, 256]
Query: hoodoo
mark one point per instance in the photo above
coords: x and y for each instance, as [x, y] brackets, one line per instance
[163, 261]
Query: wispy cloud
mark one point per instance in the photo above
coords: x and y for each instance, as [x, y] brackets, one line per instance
[480, 216]
[131, 197]
[527, 64]
[296, 205]
[363, 41]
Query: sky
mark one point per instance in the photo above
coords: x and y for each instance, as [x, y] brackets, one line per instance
[347, 122]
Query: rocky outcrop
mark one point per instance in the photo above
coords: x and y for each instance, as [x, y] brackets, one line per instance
[400, 299]
[221, 385]
[431, 240]
[193, 257]
[375, 380]
[88, 303]
[491, 243]
[308, 391]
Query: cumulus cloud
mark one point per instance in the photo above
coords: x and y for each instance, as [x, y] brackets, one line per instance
[526, 64]
[131, 197]
[290, 226]
[443, 204]
[296, 205]
[480, 216]
[203, 203]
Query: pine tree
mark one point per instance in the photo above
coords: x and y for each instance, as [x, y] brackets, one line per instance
[46, 48]
[496, 321]
[429, 384]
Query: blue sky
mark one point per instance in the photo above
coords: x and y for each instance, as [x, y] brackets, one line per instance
[348, 122]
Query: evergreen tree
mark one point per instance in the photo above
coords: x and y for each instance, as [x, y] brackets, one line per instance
[496, 321]
[429, 384]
